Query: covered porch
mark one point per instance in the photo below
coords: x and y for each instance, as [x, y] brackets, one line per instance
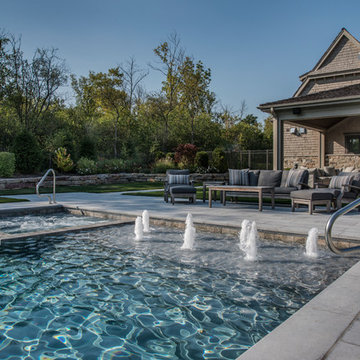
[317, 130]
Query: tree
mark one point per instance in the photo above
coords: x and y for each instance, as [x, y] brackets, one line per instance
[171, 56]
[109, 95]
[194, 91]
[132, 78]
[31, 85]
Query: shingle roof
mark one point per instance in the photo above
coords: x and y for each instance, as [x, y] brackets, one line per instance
[344, 92]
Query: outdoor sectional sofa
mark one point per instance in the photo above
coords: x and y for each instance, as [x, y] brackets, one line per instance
[283, 181]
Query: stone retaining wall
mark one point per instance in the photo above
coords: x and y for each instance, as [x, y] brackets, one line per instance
[77, 180]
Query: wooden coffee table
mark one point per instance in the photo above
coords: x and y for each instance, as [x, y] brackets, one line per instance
[248, 189]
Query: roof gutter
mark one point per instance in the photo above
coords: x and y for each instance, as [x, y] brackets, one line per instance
[310, 103]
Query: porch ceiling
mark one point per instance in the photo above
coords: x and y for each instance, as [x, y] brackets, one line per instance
[318, 124]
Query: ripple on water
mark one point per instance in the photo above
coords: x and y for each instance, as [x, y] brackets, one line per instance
[101, 295]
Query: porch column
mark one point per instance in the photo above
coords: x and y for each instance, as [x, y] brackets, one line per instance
[278, 127]
[321, 149]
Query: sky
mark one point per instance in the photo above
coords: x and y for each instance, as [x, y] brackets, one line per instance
[256, 50]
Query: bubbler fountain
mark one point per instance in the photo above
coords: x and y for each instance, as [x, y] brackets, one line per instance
[248, 237]
[190, 233]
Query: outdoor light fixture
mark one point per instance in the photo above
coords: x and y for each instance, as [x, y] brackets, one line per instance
[302, 130]
[293, 131]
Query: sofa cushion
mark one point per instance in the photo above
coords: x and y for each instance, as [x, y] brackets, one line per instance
[313, 194]
[238, 177]
[182, 189]
[282, 190]
[253, 177]
[284, 177]
[270, 178]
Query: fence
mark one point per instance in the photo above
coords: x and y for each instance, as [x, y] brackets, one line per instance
[250, 159]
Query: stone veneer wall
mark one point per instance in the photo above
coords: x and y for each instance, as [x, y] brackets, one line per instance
[298, 148]
[343, 160]
[72, 180]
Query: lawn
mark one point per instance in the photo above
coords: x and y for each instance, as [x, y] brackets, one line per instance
[8, 200]
[133, 186]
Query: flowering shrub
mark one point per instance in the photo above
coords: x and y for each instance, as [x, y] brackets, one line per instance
[185, 155]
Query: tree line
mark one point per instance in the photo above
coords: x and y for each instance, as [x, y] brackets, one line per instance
[109, 115]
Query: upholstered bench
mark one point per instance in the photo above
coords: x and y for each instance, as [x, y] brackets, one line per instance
[311, 198]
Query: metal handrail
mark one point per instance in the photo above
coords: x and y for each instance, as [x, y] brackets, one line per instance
[53, 201]
[329, 225]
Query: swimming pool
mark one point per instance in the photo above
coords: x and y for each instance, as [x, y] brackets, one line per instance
[31, 222]
[100, 294]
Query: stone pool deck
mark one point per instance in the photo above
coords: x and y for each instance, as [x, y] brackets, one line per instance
[328, 327]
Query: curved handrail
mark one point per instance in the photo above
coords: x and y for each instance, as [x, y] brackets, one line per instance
[329, 225]
[53, 201]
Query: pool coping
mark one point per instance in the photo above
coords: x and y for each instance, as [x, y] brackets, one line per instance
[309, 334]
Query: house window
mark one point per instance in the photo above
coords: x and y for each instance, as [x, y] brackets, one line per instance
[352, 143]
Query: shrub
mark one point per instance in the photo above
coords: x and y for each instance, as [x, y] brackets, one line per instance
[185, 155]
[86, 166]
[159, 155]
[162, 165]
[108, 166]
[27, 153]
[202, 160]
[63, 160]
[87, 148]
[64, 138]
[170, 155]
[218, 160]
[7, 164]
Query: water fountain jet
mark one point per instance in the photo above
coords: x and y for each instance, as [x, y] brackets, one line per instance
[138, 228]
[146, 221]
[311, 243]
[248, 237]
[190, 233]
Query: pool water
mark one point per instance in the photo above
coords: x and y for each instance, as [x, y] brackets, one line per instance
[103, 295]
[29, 223]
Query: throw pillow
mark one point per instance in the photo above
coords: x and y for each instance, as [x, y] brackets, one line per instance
[239, 177]
[295, 176]
[270, 178]
[179, 179]
[338, 182]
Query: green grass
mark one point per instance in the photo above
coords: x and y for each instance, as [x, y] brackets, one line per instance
[8, 200]
[105, 188]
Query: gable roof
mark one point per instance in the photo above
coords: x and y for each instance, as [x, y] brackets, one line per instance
[342, 56]
[352, 91]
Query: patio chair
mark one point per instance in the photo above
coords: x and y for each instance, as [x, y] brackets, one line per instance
[179, 185]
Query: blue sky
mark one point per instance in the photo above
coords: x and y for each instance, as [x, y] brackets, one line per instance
[255, 49]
